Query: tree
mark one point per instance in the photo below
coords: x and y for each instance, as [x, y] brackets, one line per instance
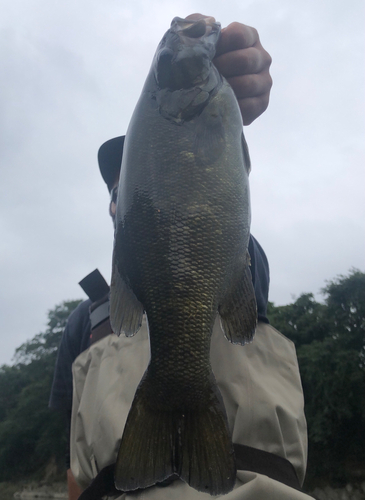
[345, 299]
[329, 339]
[30, 433]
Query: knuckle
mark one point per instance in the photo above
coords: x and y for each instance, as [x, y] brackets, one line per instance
[269, 81]
[252, 85]
[244, 35]
[235, 26]
[255, 33]
[253, 108]
[267, 59]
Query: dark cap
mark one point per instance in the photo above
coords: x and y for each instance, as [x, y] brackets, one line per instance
[110, 159]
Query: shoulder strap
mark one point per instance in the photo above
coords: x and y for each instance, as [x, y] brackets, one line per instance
[97, 289]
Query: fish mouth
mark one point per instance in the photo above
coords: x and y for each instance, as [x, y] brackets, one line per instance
[194, 29]
[185, 54]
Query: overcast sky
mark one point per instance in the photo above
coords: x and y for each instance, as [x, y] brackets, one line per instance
[71, 73]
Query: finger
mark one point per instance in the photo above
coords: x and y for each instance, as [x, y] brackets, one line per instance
[237, 36]
[251, 85]
[198, 17]
[243, 62]
[252, 107]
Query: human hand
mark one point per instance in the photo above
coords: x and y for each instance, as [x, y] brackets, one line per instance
[245, 64]
[73, 488]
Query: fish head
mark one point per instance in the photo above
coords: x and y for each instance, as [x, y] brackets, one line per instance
[184, 56]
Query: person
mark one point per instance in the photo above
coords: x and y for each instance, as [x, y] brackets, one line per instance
[260, 383]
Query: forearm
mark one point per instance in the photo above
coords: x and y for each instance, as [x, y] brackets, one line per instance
[74, 491]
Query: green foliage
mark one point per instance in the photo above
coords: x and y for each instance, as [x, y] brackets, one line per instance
[45, 344]
[30, 433]
[330, 340]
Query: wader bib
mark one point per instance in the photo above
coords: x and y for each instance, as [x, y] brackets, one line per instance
[262, 393]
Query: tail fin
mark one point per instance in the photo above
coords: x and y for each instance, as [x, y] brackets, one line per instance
[195, 445]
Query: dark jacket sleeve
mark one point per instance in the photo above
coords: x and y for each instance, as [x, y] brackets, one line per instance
[260, 277]
[75, 339]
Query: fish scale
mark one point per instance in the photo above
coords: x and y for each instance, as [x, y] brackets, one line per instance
[180, 254]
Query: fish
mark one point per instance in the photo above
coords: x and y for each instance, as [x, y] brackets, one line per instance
[181, 256]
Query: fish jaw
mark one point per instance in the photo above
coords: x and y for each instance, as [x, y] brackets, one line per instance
[184, 56]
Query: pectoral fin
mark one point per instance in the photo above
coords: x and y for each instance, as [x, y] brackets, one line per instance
[126, 311]
[238, 311]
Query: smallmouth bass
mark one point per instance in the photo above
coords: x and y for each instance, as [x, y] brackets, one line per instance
[180, 255]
